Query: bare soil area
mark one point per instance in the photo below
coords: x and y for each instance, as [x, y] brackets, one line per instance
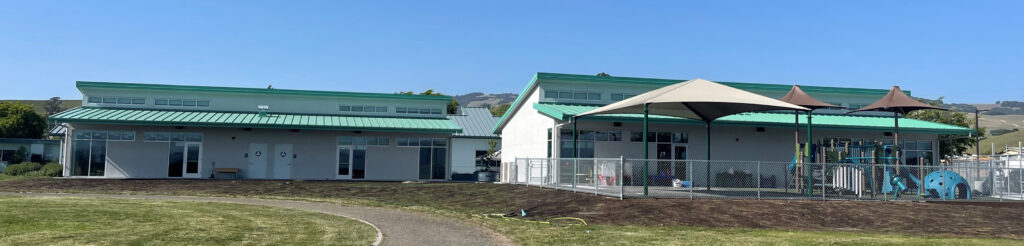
[1005, 220]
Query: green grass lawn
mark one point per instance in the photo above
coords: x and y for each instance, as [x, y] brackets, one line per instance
[83, 221]
[467, 201]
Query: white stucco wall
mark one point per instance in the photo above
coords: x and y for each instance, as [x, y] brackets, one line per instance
[316, 157]
[464, 153]
[524, 135]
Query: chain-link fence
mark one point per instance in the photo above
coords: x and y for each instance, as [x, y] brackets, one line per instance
[991, 178]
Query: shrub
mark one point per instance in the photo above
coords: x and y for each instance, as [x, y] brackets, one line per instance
[51, 169]
[23, 168]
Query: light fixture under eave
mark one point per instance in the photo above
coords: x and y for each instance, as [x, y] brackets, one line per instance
[263, 110]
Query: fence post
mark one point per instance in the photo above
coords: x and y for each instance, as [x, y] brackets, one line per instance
[689, 174]
[885, 195]
[529, 171]
[823, 181]
[575, 169]
[758, 179]
[597, 177]
[621, 178]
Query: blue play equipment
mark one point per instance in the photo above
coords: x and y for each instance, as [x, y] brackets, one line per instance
[946, 185]
[938, 184]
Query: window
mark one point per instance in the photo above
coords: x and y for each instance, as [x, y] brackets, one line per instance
[378, 141]
[608, 136]
[403, 110]
[89, 153]
[574, 95]
[580, 96]
[620, 96]
[660, 137]
[362, 108]
[117, 100]
[550, 94]
[422, 142]
[549, 143]
[857, 106]
[584, 144]
[181, 102]
[172, 137]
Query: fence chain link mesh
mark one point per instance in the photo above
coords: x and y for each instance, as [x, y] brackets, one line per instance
[991, 178]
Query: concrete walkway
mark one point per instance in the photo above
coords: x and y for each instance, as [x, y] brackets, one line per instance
[395, 227]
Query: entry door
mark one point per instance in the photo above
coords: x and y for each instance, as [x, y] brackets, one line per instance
[679, 162]
[344, 162]
[184, 160]
[257, 161]
[283, 161]
[193, 153]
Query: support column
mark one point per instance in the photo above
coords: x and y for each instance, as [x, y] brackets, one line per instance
[645, 149]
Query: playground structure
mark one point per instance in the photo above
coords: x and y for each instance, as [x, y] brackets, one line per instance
[872, 169]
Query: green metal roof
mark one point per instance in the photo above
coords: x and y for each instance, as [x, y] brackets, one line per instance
[219, 89]
[836, 122]
[253, 120]
[738, 85]
[476, 122]
[663, 82]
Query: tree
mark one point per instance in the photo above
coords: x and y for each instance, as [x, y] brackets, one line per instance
[453, 106]
[499, 110]
[949, 145]
[18, 120]
[53, 106]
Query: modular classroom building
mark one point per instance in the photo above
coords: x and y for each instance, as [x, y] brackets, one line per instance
[147, 131]
[537, 126]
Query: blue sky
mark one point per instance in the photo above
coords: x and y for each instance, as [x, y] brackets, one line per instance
[966, 51]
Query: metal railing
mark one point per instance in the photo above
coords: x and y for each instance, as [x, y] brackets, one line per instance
[994, 178]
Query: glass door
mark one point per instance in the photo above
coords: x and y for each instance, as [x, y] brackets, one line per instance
[192, 163]
[679, 162]
[184, 160]
[344, 162]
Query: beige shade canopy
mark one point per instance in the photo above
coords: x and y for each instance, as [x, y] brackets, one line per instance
[696, 99]
[898, 102]
[797, 96]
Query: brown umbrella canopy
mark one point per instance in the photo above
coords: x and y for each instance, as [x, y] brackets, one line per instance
[797, 96]
[898, 102]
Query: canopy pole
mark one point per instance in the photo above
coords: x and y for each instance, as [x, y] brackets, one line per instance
[575, 133]
[708, 164]
[645, 149]
[896, 140]
[807, 170]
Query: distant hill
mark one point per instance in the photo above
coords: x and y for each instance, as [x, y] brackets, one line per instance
[479, 99]
[37, 105]
[1001, 141]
